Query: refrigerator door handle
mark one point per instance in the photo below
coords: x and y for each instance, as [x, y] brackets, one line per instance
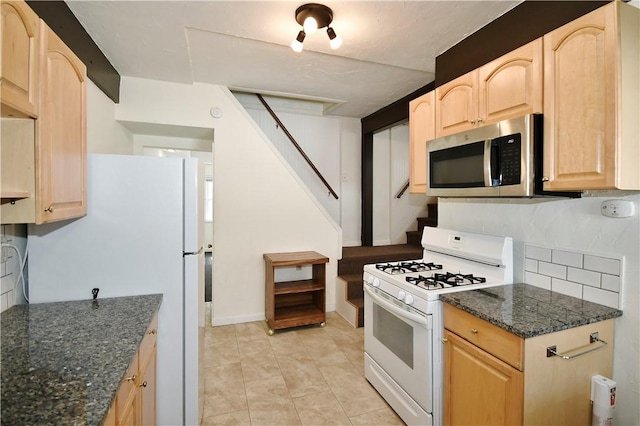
[193, 253]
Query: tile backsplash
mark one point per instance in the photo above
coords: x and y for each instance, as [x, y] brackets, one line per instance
[596, 278]
[7, 276]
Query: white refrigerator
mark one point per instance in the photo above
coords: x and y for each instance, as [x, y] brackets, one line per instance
[143, 234]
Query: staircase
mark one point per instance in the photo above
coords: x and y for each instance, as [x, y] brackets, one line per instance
[354, 258]
[415, 237]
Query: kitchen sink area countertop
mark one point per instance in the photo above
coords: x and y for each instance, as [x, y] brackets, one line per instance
[528, 311]
[62, 362]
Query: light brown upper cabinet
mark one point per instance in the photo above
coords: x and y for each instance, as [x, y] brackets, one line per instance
[20, 43]
[421, 130]
[47, 157]
[507, 87]
[592, 87]
[62, 131]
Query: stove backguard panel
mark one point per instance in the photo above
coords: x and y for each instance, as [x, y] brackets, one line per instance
[593, 277]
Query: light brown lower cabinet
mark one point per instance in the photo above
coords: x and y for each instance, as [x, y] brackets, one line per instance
[493, 377]
[135, 402]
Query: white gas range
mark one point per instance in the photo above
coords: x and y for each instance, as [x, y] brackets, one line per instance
[403, 315]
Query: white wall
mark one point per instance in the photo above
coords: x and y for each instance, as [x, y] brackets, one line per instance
[259, 204]
[351, 176]
[332, 143]
[381, 208]
[104, 134]
[575, 225]
[319, 138]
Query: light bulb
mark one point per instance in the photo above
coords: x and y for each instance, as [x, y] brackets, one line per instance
[310, 25]
[296, 45]
[334, 41]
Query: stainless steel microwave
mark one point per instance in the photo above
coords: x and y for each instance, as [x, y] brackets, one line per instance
[496, 160]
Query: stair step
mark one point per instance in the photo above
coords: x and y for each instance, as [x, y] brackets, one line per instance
[354, 286]
[354, 258]
[432, 210]
[427, 221]
[359, 305]
[414, 238]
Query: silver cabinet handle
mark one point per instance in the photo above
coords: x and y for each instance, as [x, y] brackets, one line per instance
[480, 120]
[545, 179]
[593, 338]
[49, 209]
[473, 121]
[474, 330]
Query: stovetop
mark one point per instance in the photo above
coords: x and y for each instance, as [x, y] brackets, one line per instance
[428, 278]
[452, 261]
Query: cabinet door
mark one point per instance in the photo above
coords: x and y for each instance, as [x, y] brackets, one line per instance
[580, 103]
[457, 105]
[61, 143]
[20, 42]
[147, 391]
[479, 389]
[422, 129]
[511, 85]
[126, 398]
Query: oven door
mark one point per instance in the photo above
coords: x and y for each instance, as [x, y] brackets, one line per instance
[399, 339]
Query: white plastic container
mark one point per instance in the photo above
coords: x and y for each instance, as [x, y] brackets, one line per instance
[603, 398]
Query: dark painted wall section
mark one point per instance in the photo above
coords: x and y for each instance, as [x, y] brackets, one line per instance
[522, 24]
[63, 22]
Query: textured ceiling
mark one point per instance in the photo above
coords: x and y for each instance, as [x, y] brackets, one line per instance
[388, 51]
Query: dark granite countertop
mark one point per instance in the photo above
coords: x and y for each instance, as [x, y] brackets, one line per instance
[529, 311]
[62, 362]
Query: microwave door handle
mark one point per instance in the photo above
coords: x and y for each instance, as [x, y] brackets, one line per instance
[488, 175]
[495, 163]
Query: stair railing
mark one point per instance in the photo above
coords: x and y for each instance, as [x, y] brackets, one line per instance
[403, 190]
[295, 144]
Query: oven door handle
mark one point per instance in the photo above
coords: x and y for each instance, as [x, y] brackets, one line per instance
[424, 320]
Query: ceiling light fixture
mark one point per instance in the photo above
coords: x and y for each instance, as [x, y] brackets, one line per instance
[313, 16]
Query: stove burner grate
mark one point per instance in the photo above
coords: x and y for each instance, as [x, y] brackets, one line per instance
[429, 283]
[459, 279]
[406, 267]
[445, 280]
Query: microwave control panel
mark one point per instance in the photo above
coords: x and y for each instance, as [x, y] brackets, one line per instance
[509, 148]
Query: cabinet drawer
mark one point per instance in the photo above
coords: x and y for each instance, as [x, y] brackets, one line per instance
[149, 341]
[496, 341]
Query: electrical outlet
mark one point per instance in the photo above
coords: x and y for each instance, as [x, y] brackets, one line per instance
[617, 208]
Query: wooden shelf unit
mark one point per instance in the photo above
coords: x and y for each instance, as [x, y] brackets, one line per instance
[294, 303]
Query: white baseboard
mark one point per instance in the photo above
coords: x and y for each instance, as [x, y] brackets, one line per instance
[351, 243]
[250, 318]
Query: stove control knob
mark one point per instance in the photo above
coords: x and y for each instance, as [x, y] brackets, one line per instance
[370, 280]
[401, 295]
[376, 282]
[409, 299]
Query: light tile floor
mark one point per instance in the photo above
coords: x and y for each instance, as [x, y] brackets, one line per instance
[301, 376]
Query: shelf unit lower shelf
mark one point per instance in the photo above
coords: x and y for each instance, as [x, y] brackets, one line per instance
[294, 303]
